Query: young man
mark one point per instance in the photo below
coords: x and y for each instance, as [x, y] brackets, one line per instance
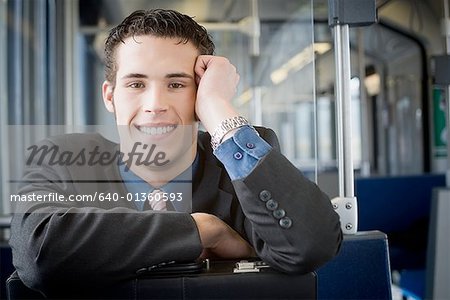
[245, 198]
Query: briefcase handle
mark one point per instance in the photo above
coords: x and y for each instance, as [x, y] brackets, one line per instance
[173, 268]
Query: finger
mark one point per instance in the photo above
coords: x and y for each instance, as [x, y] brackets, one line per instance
[201, 64]
[197, 79]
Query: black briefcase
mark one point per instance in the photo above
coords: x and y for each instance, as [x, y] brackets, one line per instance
[223, 280]
[196, 280]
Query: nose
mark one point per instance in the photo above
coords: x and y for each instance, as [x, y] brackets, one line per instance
[154, 101]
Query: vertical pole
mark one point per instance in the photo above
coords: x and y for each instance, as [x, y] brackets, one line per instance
[345, 204]
[341, 15]
[365, 115]
[343, 107]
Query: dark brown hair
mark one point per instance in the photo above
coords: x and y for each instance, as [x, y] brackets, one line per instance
[159, 23]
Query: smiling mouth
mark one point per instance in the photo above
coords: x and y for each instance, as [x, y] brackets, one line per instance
[156, 130]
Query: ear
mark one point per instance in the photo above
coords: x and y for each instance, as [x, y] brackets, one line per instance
[108, 95]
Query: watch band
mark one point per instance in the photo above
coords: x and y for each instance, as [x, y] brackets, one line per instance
[226, 126]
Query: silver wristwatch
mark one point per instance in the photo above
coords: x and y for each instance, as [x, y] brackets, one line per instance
[225, 127]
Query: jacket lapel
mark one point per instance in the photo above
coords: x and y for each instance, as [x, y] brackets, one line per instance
[208, 195]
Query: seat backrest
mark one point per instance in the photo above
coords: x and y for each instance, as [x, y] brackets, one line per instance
[394, 203]
[360, 271]
[400, 207]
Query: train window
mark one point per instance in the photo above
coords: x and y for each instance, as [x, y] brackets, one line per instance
[396, 101]
[388, 99]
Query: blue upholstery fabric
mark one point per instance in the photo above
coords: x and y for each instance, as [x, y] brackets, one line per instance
[360, 270]
[393, 204]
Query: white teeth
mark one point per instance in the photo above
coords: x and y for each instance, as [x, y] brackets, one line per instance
[156, 130]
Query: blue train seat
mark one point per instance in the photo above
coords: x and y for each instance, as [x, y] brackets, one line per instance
[400, 207]
[360, 270]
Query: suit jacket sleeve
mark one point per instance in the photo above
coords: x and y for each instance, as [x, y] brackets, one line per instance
[63, 246]
[289, 220]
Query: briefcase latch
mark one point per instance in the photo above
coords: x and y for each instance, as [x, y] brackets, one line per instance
[245, 266]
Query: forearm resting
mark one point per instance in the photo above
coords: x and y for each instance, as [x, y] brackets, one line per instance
[220, 240]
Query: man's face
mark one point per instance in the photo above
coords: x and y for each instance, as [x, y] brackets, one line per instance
[154, 95]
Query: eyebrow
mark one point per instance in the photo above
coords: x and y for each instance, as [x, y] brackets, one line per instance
[170, 75]
[178, 75]
[134, 75]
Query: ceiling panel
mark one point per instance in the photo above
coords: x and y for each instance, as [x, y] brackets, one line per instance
[205, 10]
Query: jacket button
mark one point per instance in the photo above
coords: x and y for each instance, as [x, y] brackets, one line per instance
[279, 213]
[250, 145]
[272, 204]
[285, 222]
[265, 195]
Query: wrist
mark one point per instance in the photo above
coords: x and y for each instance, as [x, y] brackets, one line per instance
[226, 129]
[214, 113]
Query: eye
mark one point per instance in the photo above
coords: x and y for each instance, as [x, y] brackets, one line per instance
[176, 85]
[136, 85]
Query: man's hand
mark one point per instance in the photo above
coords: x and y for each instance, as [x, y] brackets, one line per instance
[217, 81]
[220, 240]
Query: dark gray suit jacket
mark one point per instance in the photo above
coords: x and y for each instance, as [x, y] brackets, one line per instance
[79, 244]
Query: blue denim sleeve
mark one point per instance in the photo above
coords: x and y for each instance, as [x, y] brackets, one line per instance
[242, 153]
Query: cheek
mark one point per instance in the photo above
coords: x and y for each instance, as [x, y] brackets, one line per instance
[186, 108]
[124, 110]
[189, 111]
